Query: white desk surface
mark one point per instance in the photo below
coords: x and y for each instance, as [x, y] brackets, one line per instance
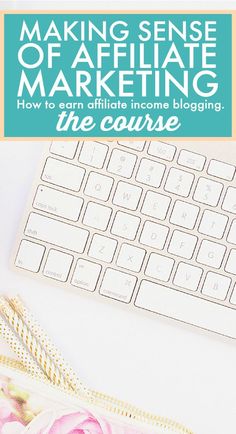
[161, 366]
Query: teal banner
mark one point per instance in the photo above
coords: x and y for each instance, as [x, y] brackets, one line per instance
[117, 75]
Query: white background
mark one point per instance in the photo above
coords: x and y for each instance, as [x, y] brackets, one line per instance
[161, 366]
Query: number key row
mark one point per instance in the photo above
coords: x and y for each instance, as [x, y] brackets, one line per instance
[127, 195]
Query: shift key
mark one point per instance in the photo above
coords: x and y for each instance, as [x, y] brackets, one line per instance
[57, 233]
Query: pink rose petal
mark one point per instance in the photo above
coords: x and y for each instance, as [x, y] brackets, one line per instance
[5, 409]
[12, 428]
[83, 421]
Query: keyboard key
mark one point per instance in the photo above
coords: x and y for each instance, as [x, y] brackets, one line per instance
[97, 216]
[221, 170]
[102, 248]
[130, 257]
[182, 244]
[58, 203]
[98, 186]
[186, 307]
[213, 224]
[179, 182]
[231, 262]
[229, 203]
[156, 205]
[93, 154]
[86, 275]
[159, 267]
[57, 233]
[122, 163]
[108, 142]
[187, 276]
[118, 285]
[29, 256]
[150, 172]
[162, 150]
[154, 235]
[211, 254]
[232, 233]
[184, 214]
[63, 174]
[191, 160]
[64, 149]
[233, 297]
[125, 225]
[137, 145]
[216, 286]
[58, 265]
[127, 195]
[208, 191]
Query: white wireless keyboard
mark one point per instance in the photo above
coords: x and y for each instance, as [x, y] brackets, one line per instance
[147, 224]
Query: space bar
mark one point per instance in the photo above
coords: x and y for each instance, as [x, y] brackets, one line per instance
[186, 307]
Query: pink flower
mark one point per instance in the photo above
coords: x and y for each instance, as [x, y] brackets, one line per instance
[5, 409]
[74, 422]
[12, 428]
[9, 423]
